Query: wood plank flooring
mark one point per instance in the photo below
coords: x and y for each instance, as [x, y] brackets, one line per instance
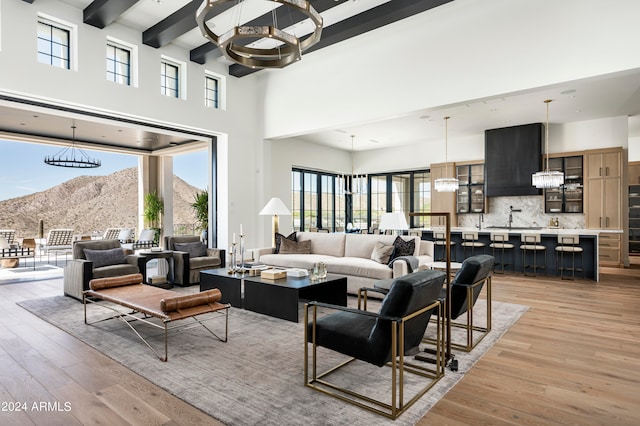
[571, 359]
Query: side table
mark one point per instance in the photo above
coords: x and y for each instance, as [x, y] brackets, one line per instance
[163, 254]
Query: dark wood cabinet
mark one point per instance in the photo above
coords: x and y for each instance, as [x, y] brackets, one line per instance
[569, 197]
[470, 196]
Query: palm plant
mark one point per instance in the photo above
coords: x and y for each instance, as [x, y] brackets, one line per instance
[153, 208]
[201, 208]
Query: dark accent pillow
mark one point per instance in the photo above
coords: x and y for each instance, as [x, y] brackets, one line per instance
[280, 237]
[402, 248]
[292, 247]
[100, 258]
[381, 253]
[195, 249]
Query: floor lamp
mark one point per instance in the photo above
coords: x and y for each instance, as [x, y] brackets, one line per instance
[275, 207]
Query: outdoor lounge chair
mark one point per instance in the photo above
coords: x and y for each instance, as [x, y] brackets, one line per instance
[58, 242]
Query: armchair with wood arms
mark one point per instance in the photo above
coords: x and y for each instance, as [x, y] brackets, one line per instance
[190, 256]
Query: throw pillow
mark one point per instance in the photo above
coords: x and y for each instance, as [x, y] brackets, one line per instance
[381, 253]
[114, 256]
[280, 237]
[402, 248]
[292, 247]
[195, 249]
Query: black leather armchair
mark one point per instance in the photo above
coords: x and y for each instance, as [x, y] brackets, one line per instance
[379, 338]
[465, 289]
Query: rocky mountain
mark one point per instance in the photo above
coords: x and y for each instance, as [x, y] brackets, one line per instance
[89, 204]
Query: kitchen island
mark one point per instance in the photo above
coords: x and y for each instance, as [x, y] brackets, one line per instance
[513, 257]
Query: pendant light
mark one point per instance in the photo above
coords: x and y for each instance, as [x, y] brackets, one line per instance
[547, 178]
[352, 184]
[72, 156]
[446, 184]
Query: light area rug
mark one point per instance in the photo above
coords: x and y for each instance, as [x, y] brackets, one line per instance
[256, 378]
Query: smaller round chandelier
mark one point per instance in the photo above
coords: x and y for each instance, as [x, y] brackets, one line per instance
[446, 184]
[547, 178]
[72, 156]
[235, 44]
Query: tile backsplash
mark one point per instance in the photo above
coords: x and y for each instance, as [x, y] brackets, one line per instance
[532, 214]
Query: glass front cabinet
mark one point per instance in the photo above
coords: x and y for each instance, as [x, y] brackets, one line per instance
[470, 197]
[634, 218]
[568, 198]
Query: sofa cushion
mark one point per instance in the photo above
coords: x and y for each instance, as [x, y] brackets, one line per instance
[293, 260]
[106, 257]
[402, 248]
[381, 253]
[115, 270]
[195, 249]
[330, 244]
[359, 267]
[204, 262]
[280, 237]
[292, 247]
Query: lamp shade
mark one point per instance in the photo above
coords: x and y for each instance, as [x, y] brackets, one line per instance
[275, 206]
[394, 221]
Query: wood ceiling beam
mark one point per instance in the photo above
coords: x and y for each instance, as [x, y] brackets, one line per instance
[371, 19]
[210, 51]
[174, 25]
[101, 13]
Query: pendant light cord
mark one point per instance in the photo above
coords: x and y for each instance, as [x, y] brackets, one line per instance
[446, 142]
[546, 137]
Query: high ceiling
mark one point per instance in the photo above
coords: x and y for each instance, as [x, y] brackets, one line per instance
[173, 21]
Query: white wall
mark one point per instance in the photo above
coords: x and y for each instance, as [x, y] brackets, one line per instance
[87, 88]
[496, 46]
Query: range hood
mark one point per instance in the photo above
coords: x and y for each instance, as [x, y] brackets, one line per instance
[512, 155]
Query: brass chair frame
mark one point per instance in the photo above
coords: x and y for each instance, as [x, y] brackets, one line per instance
[468, 324]
[398, 364]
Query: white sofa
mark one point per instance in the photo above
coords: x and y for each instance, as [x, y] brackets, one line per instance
[347, 254]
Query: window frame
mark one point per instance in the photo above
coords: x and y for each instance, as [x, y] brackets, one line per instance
[70, 28]
[181, 77]
[222, 89]
[133, 58]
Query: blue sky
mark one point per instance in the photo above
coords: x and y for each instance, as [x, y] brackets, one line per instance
[23, 171]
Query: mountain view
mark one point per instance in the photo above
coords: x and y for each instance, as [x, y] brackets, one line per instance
[89, 204]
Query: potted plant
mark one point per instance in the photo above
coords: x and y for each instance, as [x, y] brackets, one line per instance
[200, 206]
[153, 208]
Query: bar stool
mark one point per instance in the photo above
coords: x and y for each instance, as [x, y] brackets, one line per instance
[470, 239]
[500, 242]
[439, 240]
[531, 244]
[568, 243]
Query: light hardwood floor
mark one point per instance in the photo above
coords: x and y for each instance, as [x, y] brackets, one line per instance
[573, 358]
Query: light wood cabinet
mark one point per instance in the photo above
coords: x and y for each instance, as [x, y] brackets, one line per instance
[442, 202]
[603, 187]
[604, 190]
[609, 248]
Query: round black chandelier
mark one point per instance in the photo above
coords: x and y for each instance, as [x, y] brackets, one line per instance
[72, 157]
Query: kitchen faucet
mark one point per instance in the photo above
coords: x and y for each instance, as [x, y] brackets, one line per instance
[480, 220]
[511, 211]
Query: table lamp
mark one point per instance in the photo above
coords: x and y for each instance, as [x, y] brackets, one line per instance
[394, 221]
[275, 207]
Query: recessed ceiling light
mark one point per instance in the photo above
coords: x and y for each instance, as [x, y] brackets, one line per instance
[568, 92]
[424, 117]
[341, 131]
[374, 141]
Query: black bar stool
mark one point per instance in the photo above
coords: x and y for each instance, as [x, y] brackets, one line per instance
[439, 240]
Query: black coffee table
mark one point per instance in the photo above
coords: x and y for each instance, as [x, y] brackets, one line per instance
[276, 298]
